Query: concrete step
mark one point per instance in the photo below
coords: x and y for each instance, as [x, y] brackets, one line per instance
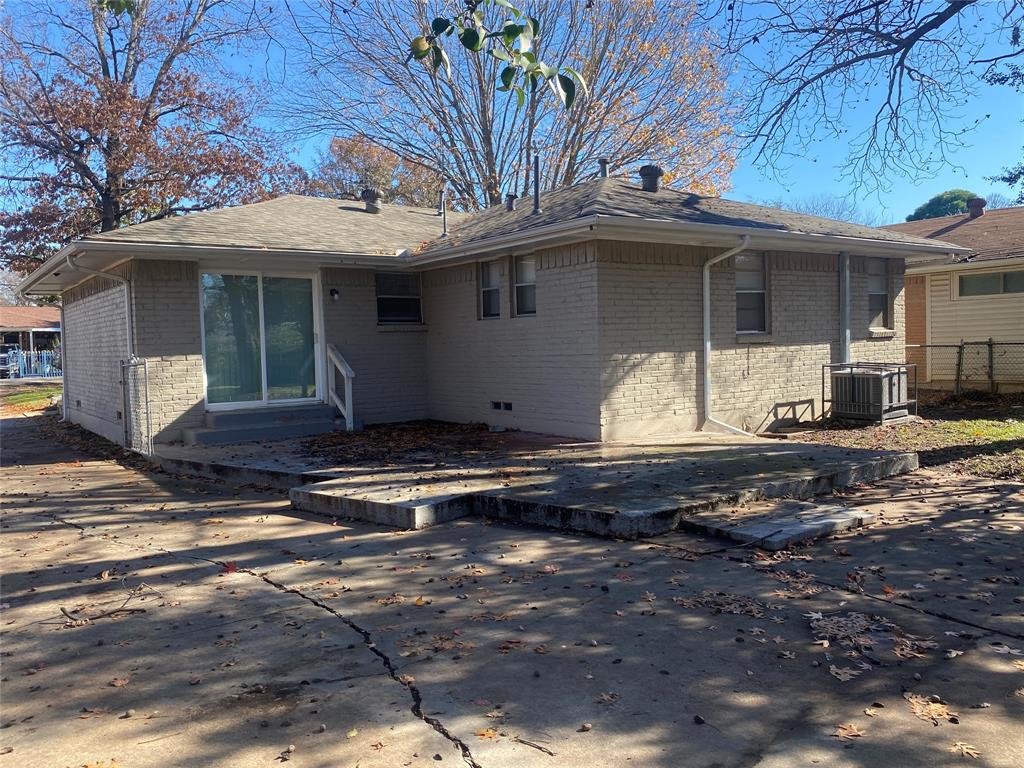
[248, 433]
[778, 525]
[269, 416]
[337, 498]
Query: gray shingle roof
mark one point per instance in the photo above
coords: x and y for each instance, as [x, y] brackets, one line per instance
[619, 197]
[294, 223]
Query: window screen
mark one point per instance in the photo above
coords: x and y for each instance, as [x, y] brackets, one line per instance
[526, 285]
[751, 294]
[878, 294]
[490, 290]
[398, 297]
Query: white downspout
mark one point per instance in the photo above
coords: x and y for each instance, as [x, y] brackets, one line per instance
[708, 418]
[844, 307]
[72, 264]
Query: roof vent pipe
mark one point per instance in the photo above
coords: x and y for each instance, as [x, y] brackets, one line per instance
[371, 197]
[603, 162]
[976, 206]
[510, 202]
[650, 177]
[536, 183]
[443, 211]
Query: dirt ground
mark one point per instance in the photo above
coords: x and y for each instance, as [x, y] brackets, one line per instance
[976, 435]
[150, 620]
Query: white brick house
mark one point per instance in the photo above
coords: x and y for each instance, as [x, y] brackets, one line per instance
[588, 318]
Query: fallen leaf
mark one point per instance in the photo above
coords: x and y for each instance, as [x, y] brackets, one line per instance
[931, 709]
[378, 745]
[607, 698]
[420, 601]
[871, 712]
[230, 567]
[844, 674]
[847, 732]
[195, 680]
[119, 682]
[487, 733]
[352, 734]
[964, 749]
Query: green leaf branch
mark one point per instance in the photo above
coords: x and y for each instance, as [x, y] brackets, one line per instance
[513, 42]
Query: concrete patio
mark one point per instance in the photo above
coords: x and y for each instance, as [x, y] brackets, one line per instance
[625, 490]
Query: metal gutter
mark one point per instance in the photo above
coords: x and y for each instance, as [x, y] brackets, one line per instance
[962, 266]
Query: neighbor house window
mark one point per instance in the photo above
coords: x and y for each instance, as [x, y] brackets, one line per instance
[991, 283]
[751, 294]
[878, 294]
[398, 297]
[525, 283]
[490, 291]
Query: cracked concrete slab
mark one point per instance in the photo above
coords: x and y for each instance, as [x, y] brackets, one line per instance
[675, 651]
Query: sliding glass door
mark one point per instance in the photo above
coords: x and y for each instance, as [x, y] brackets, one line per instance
[259, 339]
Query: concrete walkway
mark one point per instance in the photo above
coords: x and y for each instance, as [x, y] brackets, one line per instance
[491, 645]
[626, 490]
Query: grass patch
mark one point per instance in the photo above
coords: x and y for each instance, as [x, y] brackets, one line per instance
[28, 397]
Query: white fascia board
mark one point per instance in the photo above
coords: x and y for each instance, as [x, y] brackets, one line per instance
[692, 233]
[105, 255]
[966, 266]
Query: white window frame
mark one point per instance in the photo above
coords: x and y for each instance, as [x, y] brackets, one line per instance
[482, 289]
[516, 285]
[319, 341]
[889, 320]
[764, 291]
[378, 296]
[955, 282]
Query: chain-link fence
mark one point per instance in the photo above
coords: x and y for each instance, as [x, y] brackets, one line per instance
[138, 427]
[970, 366]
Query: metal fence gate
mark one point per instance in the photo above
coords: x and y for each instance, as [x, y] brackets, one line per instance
[138, 425]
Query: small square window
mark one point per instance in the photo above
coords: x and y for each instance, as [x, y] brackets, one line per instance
[398, 297]
[525, 285]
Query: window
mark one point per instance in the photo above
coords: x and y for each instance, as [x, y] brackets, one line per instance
[398, 297]
[490, 290]
[878, 294]
[526, 285]
[751, 294]
[991, 283]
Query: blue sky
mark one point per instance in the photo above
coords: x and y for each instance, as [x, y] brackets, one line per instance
[994, 144]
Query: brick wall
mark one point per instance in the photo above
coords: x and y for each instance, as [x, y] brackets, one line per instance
[167, 334]
[94, 344]
[651, 338]
[544, 365]
[389, 361]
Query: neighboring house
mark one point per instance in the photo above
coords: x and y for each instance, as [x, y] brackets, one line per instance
[584, 318]
[31, 328]
[972, 297]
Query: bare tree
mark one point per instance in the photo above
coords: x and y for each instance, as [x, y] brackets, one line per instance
[829, 207]
[812, 67]
[657, 91]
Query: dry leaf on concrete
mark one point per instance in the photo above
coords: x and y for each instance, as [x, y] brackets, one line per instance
[847, 732]
[844, 674]
[931, 709]
[964, 749]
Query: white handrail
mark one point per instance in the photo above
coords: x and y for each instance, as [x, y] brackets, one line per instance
[339, 364]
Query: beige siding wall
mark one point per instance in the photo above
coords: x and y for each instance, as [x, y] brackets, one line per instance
[95, 342]
[651, 337]
[976, 318]
[166, 310]
[545, 366]
[389, 361]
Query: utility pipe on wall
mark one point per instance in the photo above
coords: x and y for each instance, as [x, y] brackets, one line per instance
[708, 418]
[844, 307]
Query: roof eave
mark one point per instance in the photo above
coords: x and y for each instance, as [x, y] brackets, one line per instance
[120, 251]
[962, 266]
[599, 226]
